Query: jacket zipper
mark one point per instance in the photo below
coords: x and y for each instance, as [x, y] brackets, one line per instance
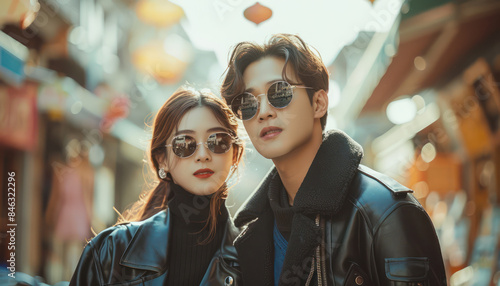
[316, 261]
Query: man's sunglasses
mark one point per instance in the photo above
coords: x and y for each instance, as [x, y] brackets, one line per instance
[279, 95]
[185, 146]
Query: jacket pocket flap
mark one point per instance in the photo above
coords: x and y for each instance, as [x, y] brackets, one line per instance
[407, 269]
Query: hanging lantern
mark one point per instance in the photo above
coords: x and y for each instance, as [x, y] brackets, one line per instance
[257, 13]
[166, 61]
[159, 13]
[18, 11]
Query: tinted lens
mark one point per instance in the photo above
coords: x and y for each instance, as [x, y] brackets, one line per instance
[244, 106]
[280, 94]
[219, 143]
[183, 146]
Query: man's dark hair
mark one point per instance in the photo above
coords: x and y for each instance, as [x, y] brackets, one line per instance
[308, 66]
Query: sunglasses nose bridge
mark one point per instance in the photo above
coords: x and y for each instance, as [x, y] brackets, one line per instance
[205, 144]
[258, 98]
[264, 106]
[205, 152]
[202, 143]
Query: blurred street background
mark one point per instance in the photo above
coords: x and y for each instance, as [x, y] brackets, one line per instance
[416, 83]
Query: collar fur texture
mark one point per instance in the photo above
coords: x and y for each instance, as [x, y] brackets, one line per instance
[325, 185]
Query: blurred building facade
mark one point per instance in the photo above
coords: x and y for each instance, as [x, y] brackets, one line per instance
[432, 123]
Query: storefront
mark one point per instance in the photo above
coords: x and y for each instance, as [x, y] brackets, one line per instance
[437, 112]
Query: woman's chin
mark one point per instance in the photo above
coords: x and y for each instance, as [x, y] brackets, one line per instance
[204, 189]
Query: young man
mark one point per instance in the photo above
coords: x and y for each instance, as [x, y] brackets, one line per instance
[319, 217]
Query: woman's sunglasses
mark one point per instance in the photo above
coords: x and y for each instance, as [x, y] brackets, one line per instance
[185, 146]
[279, 95]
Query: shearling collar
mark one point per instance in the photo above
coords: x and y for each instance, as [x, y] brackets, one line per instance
[325, 186]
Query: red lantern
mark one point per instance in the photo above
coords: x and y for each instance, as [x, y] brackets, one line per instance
[258, 13]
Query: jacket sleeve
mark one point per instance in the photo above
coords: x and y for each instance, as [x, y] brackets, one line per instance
[406, 249]
[88, 270]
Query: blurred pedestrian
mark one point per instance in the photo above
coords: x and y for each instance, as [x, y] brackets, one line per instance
[319, 217]
[180, 232]
[69, 211]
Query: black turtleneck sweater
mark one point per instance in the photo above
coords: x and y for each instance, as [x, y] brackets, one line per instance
[283, 212]
[188, 259]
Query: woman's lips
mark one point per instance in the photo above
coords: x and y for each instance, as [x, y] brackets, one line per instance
[270, 132]
[203, 173]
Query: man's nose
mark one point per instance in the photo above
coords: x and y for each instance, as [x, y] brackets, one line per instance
[266, 110]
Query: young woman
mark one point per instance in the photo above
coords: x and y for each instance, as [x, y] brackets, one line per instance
[179, 233]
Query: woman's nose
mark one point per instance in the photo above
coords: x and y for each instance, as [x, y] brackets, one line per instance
[202, 153]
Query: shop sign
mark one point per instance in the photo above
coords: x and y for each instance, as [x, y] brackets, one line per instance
[18, 116]
[12, 58]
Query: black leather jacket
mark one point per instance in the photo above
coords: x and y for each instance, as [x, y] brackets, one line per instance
[351, 226]
[136, 254]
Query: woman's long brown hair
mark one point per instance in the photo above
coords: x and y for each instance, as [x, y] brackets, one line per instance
[157, 194]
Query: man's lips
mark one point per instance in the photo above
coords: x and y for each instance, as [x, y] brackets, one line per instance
[203, 173]
[270, 132]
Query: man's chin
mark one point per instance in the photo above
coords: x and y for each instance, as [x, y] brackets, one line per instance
[271, 152]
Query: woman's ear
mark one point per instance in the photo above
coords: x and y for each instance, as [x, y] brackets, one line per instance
[162, 161]
[320, 103]
[164, 166]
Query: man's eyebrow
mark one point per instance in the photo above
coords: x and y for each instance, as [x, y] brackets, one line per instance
[251, 89]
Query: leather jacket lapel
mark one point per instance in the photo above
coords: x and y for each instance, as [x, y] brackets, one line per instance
[257, 203]
[217, 272]
[140, 254]
[227, 249]
[256, 241]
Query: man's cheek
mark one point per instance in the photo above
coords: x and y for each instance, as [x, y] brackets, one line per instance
[250, 130]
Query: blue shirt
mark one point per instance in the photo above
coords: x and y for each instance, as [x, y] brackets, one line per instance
[280, 246]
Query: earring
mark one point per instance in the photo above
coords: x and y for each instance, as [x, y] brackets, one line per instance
[162, 173]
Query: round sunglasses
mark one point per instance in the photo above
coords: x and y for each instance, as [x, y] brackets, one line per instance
[185, 146]
[279, 95]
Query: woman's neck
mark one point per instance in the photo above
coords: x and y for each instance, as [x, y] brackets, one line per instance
[191, 209]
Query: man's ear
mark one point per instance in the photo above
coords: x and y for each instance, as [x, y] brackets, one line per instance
[320, 103]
